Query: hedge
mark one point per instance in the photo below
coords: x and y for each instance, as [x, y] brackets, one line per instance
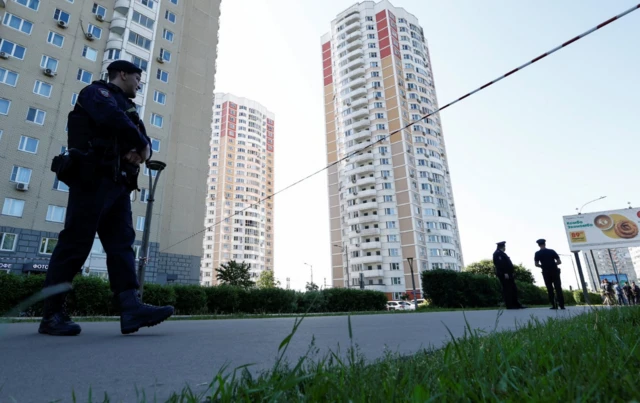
[91, 296]
[451, 289]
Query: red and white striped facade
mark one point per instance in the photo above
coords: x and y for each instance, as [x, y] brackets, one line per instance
[393, 199]
[241, 175]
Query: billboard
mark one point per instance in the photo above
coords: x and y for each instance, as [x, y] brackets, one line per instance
[604, 229]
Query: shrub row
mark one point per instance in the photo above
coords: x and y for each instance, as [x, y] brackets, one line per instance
[91, 296]
[451, 289]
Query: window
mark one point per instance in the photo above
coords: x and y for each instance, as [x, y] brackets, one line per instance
[20, 175]
[140, 223]
[5, 105]
[17, 23]
[60, 15]
[113, 54]
[55, 39]
[140, 62]
[74, 98]
[165, 55]
[155, 145]
[143, 20]
[42, 88]
[32, 4]
[162, 76]
[169, 16]
[174, 1]
[168, 35]
[28, 144]
[57, 185]
[12, 49]
[99, 10]
[139, 40]
[396, 280]
[47, 245]
[144, 195]
[36, 116]
[149, 3]
[13, 207]
[7, 241]
[8, 77]
[157, 120]
[90, 53]
[95, 31]
[56, 213]
[84, 76]
[159, 97]
[48, 62]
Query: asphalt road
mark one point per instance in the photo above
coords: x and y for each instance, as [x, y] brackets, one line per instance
[165, 358]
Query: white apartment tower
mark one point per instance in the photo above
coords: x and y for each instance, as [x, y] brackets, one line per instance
[391, 200]
[240, 178]
[49, 51]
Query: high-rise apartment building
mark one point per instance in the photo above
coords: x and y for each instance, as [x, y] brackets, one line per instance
[609, 262]
[392, 198]
[49, 51]
[240, 177]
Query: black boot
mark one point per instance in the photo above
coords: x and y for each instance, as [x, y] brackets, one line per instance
[55, 320]
[134, 314]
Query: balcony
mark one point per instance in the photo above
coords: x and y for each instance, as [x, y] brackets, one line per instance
[362, 170]
[357, 82]
[355, 44]
[354, 63]
[372, 273]
[122, 6]
[361, 124]
[370, 232]
[357, 147]
[353, 28]
[114, 44]
[370, 245]
[367, 156]
[366, 219]
[118, 25]
[366, 259]
[353, 36]
[358, 71]
[363, 207]
[359, 114]
[366, 181]
[357, 94]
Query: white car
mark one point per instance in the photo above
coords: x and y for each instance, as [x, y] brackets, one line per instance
[400, 306]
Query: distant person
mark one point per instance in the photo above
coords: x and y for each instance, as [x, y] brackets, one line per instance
[548, 260]
[608, 293]
[635, 290]
[505, 273]
[626, 290]
[618, 291]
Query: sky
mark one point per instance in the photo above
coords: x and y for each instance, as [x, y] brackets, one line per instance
[522, 153]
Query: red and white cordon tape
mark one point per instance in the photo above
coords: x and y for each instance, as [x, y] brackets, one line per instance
[542, 56]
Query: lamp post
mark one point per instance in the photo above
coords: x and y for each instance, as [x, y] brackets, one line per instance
[589, 202]
[142, 261]
[574, 268]
[346, 250]
[310, 265]
[413, 282]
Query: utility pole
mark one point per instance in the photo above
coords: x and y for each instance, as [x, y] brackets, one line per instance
[413, 282]
[311, 271]
[157, 166]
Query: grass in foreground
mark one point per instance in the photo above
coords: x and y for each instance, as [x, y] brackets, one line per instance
[591, 357]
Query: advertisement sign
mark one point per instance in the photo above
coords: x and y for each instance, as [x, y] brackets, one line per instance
[604, 229]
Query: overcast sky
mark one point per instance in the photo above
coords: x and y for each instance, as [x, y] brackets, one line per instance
[522, 153]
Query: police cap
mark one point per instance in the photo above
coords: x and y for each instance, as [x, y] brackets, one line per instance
[541, 241]
[124, 66]
[502, 243]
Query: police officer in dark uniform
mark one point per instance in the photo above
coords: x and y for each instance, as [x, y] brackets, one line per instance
[505, 273]
[548, 260]
[107, 142]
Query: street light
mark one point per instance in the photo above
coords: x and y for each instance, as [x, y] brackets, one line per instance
[311, 271]
[413, 282]
[574, 269]
[142, 262]
[346, 250]
[589, 202]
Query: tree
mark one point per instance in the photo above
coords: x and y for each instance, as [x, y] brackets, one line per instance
[312, 287]
[267, 280]
[234, 273]
[486, 267]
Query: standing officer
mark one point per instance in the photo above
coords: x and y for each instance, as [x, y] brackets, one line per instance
[505, 273]
[548, 260]
[107, 143]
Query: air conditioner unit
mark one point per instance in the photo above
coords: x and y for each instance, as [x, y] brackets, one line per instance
[49, 72]
[89, 36]
[22, 186]
[4, 55]
[159, 59]
[62, 24]
[99, 18]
